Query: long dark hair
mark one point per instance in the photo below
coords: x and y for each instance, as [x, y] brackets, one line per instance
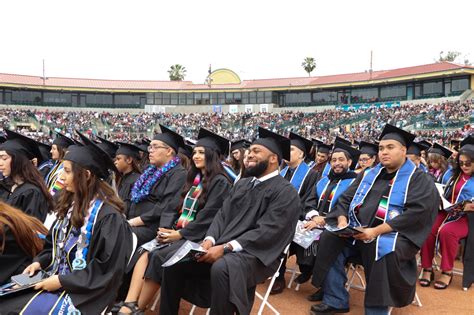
[24, 169]
[61, 151]
[237, 164]
[213, 168]
[87, 186]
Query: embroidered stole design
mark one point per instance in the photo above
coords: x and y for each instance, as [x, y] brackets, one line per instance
[298, 176]
[336, 192]
[395, 203]
[190, 204]
[53, 182]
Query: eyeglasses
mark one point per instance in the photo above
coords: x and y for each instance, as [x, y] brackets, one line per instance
[156, 147]
[363, 160]
[466, 164]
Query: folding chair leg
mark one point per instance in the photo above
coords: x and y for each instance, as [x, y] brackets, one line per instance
[417, 300]
[155, 301]
[265, 302]
[192, 310]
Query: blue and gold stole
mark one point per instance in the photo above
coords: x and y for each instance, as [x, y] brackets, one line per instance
[394, 207]
[298, 176]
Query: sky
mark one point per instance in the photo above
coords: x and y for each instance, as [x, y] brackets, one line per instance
[258, 39]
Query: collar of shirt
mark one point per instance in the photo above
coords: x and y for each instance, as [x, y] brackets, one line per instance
[268, 176]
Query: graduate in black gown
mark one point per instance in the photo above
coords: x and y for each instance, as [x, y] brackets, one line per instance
[321, 160]
[397, 203]
[88, 247]
[303, 178]
[20, 240]
[156, 193]
[244, 242]
[127, 159]
[25, 187]
[206, 188]
[45, 163]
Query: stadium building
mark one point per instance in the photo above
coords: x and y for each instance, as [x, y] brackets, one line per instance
[224, 91]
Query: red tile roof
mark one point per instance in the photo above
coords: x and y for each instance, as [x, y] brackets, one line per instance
[52, 82]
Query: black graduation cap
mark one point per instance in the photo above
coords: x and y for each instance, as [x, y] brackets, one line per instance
[391, 132]
[357, 143]
[427, 144]
[187, 151]
[21, 144]
[45, 150]
[274, 142]
[301, 143]
[170, 137]
[63, 141]
[128, 149]
[239, 144]
[321, 146]
[468, 140]
[455, 143]
[208, 139]
[91, 157]
[439, 149]
[109, 147]
[416, 147]
[352, 152]
[339, 139]
[368, 148]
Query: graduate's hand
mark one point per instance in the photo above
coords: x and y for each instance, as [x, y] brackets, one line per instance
[206, 244]
[368, 234]
[213, 254]
[341, 222]
[168, 236]
[50, 284]
[32, 269]
[314, 223]
[469, 207]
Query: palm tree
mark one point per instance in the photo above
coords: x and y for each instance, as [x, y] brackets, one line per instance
[177, 72]
[309, 65]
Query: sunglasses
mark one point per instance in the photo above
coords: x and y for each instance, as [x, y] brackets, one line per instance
[466, 164]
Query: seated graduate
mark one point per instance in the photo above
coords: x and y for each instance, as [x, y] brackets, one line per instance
[438, 164]
[127, 162]
[44, 163]
[394, 205]
[20, 241]
[303, 178]
[156, 194]
[88, 247]
[321, 161]
[451, 227]
[186, 155]
[368, 156]
[206, 188]
[237, 150]
[26, 188]
[58, 149]
[244, 242]
[323, 200]
[414, 154]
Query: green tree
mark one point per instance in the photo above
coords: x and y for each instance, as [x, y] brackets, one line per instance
[177, 72]
[309, 64]
[453, 56]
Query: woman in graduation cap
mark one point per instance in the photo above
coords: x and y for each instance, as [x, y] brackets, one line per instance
[88, 247]
[237, 150]
[453, 226]
[25, 187]
[58, 150]
[438, 157]
[207, 186]
[20, 240]
[368, 156]
[127, 162]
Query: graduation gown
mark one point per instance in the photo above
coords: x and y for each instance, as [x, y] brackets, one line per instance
[30, 199]
[195, 230]
[391, 281]
[262, 219]
[159, 208]
[125, 187]
[13, 259]
[93, 288]
[308, 183]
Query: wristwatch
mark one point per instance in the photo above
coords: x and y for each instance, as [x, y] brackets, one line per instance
[227, 249]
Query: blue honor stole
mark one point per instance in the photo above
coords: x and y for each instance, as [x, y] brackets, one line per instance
[447, 175]
[340, 188]
[396, 202]
[298, 176]
[326, 170]
[423, 167]
[229, 172]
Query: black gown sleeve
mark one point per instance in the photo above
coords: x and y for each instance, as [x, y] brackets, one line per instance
[342, 206]
[31, 201]
[13, 260]
[309, 184]
[164, 211]
[46, 255]
[218, 191]
[94, 287]
[421, 208]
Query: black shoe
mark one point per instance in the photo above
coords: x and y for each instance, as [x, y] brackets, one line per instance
[326, 309]
[316, 296]
[304, 277]
[278, 286]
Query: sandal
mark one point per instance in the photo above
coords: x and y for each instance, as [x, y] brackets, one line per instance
[133, 306]
[425, 282]
[116, 307]
[440, 285]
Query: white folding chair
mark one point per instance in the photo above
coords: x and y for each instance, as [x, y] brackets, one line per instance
[294, 273]
[269, 289]
[355, 274]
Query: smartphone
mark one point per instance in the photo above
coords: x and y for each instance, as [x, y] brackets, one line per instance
[25, 279]
[163, 234]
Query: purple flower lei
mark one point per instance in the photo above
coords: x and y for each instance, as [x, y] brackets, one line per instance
[142, 187]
